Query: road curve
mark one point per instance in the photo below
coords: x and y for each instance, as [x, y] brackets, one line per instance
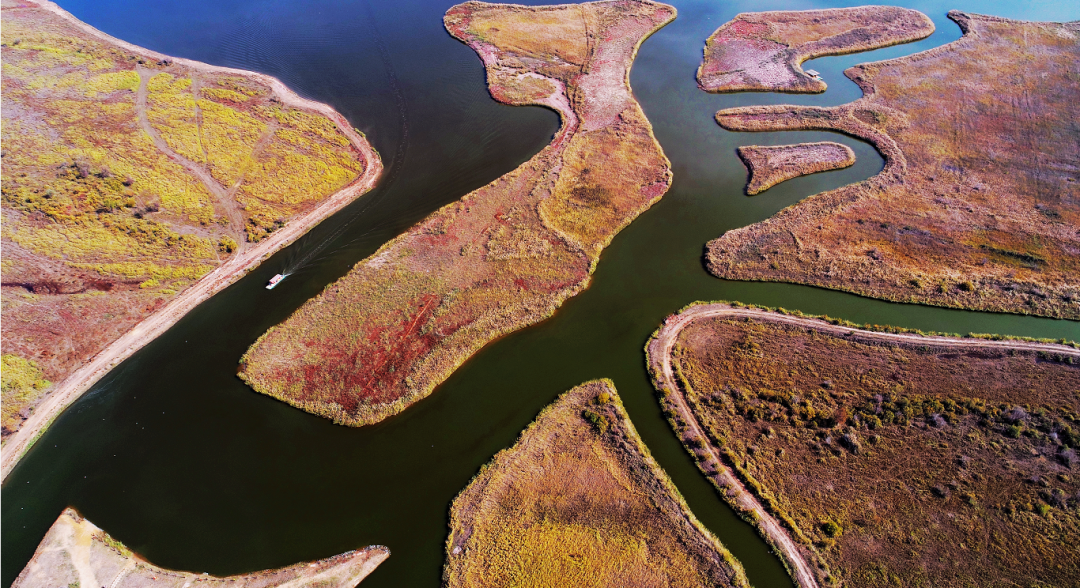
[72, 387]
[659, 351]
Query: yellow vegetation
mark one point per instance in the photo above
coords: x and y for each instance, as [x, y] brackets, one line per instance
[120, 171]
[578, 501]
[21, 383]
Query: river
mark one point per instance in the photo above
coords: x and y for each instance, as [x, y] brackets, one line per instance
[177, 458]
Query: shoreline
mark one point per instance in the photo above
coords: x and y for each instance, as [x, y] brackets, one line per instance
[75, 385]
[659, 360]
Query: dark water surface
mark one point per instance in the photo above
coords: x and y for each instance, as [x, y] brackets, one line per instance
[176, 457]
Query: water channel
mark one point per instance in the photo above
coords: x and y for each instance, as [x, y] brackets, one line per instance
[177, 458]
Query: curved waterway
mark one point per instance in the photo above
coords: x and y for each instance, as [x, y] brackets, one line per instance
[177, 458]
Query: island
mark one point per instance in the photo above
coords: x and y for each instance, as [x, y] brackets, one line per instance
[773, 164]
[763, 51]
[579, 501]
[75, 552]
[978, 204]
[136, 185]
[879, 457]
[504, 256]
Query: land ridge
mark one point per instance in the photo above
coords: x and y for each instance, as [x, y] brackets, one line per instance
[79, 381]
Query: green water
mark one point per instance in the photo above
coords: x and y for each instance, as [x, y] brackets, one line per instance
[173, 455]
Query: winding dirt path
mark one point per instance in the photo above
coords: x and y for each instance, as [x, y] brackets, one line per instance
[72, 387]
[223, 197]
[660, 349]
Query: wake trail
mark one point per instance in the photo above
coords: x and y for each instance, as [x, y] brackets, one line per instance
[394, 167]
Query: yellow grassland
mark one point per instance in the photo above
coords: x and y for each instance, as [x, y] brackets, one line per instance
[579, 501]
[101, 204]
[21, 383]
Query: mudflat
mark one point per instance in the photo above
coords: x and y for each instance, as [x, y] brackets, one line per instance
[979, 201]
[579, 501]
[882, 458]
[134, 186]
[503, 257]
[763, 51]
[75, 552]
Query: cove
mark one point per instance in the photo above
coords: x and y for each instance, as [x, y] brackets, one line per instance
[176, 457]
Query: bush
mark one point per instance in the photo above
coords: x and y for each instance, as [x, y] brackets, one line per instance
[832, 529]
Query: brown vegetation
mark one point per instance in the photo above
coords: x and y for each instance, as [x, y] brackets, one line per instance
[503, 257]
[978, 205]
[129, 176]
[579, 501]
[77, 553]
[770, 165]
[888, 459]
[763, 51]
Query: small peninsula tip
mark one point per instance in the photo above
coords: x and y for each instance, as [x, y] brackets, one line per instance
[762, 51]
[75, 552]
[579, 501]
[978, 204]
[879, 458]
[771, 165]
[506, 255]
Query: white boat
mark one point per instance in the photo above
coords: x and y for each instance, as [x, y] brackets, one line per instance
[274, 281]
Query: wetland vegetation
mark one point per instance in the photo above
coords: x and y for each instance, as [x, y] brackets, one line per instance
[978, 202]
[504, 256]
[129, 176]
[579, 501]
[888, 459]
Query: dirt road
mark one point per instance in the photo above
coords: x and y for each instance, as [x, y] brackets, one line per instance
[660, 348]
[68, 390]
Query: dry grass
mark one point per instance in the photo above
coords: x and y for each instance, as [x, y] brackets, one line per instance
[977, 206]
[125, 180]
[77, 553]
[770, 165]
[897, 463]
[578, 501]
[762, 51]
[22, 385]
[504, 256]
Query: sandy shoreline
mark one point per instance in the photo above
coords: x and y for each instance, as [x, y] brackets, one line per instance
[659, 351]
[68, 390]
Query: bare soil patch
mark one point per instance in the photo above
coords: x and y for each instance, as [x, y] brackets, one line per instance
[884, 459]
[579, 501]
[75, 552]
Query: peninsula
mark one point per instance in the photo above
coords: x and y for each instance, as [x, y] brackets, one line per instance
[75, 552]
[579, 501]
[762, 51]
[872, 458]
[136, 185]
[978, 204]
[503, 257]
[773, 164]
